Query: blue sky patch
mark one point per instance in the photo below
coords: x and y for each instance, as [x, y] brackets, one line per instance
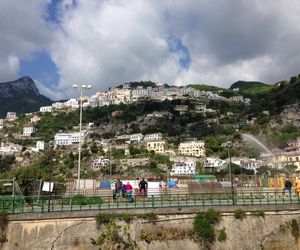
[176, 46]
[41, 68]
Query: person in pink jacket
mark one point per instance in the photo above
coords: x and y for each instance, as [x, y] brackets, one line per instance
[129, 192]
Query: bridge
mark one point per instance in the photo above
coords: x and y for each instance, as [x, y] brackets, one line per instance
[47, 204]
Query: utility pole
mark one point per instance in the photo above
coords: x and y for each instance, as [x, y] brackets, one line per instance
[228, 144]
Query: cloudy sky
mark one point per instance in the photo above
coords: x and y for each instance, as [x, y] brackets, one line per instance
[108, 42]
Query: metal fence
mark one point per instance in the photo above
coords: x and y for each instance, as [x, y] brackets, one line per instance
[34, 204]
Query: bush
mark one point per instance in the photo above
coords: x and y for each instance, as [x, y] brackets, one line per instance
[79, 199]
[145, 236]
[107, 218]
[295, 228]
[259, 213]
[222, 235]
[3, 220]
[213, 215]
[239, 214]
[204, 225]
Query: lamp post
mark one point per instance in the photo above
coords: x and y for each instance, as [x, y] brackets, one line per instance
[81, 88]
[228, 144]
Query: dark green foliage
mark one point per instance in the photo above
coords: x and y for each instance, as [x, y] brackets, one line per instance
[3, 220]
[106, 218]
[251, 88]
[145, 236]
[239, 214]
[204, 225]
[222, 235]
[295, 229]
[6, 162]
[79, 199]
[259, 213]
[50, 124]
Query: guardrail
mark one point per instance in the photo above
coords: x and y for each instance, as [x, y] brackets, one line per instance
[34, 204]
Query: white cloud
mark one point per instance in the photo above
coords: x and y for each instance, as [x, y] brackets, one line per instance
[23, 31]
[109, 42]
[113, 41]
[53, 94]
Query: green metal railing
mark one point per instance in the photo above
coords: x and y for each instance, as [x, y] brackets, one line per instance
[155, 200]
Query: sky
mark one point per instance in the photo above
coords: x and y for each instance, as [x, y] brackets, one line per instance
[105, 43]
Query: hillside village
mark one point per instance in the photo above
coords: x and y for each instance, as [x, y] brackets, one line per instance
[147, 129]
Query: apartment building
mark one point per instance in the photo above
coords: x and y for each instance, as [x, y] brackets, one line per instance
[192, 148]
[69, 138]
[156, 146]
[46, 109]
[183, 168]
[28, 131]
[153, 137]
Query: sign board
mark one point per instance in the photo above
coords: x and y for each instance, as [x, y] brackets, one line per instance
[47, 186]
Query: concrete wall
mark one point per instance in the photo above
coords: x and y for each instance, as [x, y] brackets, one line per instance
[272, 232]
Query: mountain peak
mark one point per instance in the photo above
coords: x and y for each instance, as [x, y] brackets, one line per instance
[21, 96]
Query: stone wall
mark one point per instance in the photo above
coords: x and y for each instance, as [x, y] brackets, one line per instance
[167, 232]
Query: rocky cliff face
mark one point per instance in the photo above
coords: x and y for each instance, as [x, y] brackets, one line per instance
[21, 96]
[22, 86]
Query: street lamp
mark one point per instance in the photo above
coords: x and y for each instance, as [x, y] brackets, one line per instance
[81, 88]
[228, 145]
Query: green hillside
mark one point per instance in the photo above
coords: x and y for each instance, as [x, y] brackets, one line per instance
[251, 88]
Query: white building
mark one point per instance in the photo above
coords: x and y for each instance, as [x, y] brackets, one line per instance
[214, 164]
[136, 137]
[156, 146]
[153, 137]
[99, 162]
[11, 116]
[192, 148]
[68, 138]
[28, 131]
[35, 119]
[72, 103]
[58, 105]
[1, 123]
[40, 145]
[46, 109]
[183, 168]
[9, 149]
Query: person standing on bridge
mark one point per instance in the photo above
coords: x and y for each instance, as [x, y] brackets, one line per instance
[129, 192]
[297, 186]
[143, 185]
[288, 186]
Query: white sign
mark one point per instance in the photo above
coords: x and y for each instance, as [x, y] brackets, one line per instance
[47, 186]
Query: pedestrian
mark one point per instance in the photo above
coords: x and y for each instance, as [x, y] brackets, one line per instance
[118, 188]
[129, 192]
[123, 190]
[288, 186]
[143, 186]
[297, 186]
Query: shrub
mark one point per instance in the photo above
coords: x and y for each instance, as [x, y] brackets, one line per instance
[79, 199]
[107, 218]
[259, 213]
[3, 220]
[213, 215]
[145, 236]
[204, 229]
[3, 238]
[222, 235]
[239, 214]
[295, 228]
